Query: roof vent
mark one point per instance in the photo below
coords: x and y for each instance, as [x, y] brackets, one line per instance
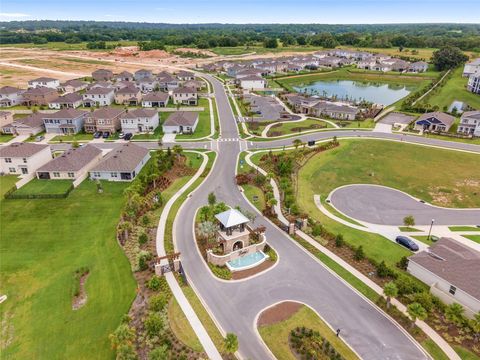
[435, 256]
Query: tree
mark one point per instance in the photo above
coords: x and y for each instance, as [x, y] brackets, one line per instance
[159, 353]
[339, 240]
[157, 302]
[125, 228]
[297, 143]
[207, 231]
[212, 199]
[390, 290]
[409, 221]
[177, 149]
[416, 311]
[475, 325]
[123, 334]
[359, 253]
[75, 144]
[448, 57]
[154, 324]
[126, 352]
[454, 313]
[230, 343]
[270, 43]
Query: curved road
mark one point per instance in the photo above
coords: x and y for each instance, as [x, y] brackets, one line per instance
[386, 206]
[297, 276]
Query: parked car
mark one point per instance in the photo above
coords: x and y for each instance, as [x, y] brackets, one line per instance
[106, 134]
[405, 241]
[121, 135]
[39, 138]
[127, 136]
[97, 135]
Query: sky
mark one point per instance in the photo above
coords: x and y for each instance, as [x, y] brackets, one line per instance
[246, 11]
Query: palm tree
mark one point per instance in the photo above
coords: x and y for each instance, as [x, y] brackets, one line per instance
[454, 313]
[207, 230]
[390, 290]
[230, 343]
[416, 311]
[125, 227]
[271, 204]
[475, 325]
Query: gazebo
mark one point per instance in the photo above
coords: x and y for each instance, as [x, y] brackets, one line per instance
[233, 233]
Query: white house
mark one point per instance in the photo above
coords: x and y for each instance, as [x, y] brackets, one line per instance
[98, 96]
[155, 99]
[65, 121]
[69, 100]
[419, 66]
[434, 121]
[123, 163]
[71, 165]
[44, 82]
[139, 121]
[10, 96]
[474, 83]
[452, 270]
[471, 68]
[181, 122]
[71, 86]
[252, 82]
[23, 158]
[185, 96]
[470, 123]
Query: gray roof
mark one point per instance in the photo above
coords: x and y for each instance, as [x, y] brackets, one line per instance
[102, 71]
[74, 83]
[68, 98]
[128, 90]
[39, 91]
[141, 112]
[471, 114]
[66, 114]
[185, 90]
[444, 118]
[231, 217]
[6, 90]
[99, 91]
[123, 158]
[42, 79]
[73, 159]
[156, 96]
[24, 149]
[181, 118]
[107, 113]
[252, 78]
[454, 262]
[33, 120]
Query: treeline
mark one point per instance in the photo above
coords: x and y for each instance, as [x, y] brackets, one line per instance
[463, 36]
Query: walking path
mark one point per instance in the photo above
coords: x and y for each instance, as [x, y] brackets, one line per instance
[378, 289]
[428, 92]
[187, 309]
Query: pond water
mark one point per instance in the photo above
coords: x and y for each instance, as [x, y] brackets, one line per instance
[378, 93]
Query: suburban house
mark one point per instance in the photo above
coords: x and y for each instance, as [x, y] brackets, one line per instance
[471, 68]
[65, 121]
[69, 100]
[123, 163]
[470, 123]
[105, 120]
[252, 82]
[185, 96]
[29, 125]
[100, 96]
[155, 99]
[452, 270]
[71, 86]
[39, 96]
[102, 84]
[6, 117]
[139, 121]
[142, 74]
[124, 76]
[181, 122]
[23, 158]
[194, 84]
[248, 72]
[167, 81]
[434, 121]
[234, 239]
[102, 74]
[128, 96]
[44, 82]
[185, 75]
[474, 83]
[147, 84]
[419, 66]
[72, 164]
[334, 110]
[11, 96]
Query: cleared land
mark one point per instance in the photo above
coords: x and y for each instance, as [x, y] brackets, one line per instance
[43, 243]
[276, 333]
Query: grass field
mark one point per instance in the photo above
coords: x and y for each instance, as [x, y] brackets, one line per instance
[181, 327]
[276, 335]
[453, 89]
[465, 354]
[475, 238]
[61, 46]
[36, 187]
[255, 195]
[424, 238]
[203, 126]
[407, 229]
[75, 137]
[464, 228]
[294, 127]
[4, 138]
[43, 243]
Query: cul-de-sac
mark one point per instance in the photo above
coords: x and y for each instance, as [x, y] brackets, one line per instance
[255, 180]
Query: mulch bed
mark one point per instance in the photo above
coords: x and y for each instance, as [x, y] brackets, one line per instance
[237, 275]
[278, 313]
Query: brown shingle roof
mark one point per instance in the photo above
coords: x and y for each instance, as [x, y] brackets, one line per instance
[181, 118]
[42, 79]
[34, 120]
[454, 262]
[184, 90]
[66, 114]
[24, 149]
[40, 91]
[107, 113]
[68, 98]
[156, 96]
[444, 118]
[6, 90]
[123, 158]
[144, 113]
[99, 91]
[73, 159]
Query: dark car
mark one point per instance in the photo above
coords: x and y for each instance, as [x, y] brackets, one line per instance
[127, 136]
[405, 241]
[97, 134]
[106, 134]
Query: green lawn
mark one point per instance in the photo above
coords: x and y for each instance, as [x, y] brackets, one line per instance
[463, 228]
[4, 138]
[61, 46]
[465, 354]
[157, 133]
[408, 229]
[252, 191]
[475, 238]
[43, 243]
[37, 187]
[75, 137]
[6, 183]
[181, 327]
[203, 127]
[453, 89]
[424, 238]
[276, 335]
[296, 127]
[434, 350]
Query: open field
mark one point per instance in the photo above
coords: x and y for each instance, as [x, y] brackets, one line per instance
[39, 187]
[454, 89]
[294, 127]
[44, 243]
[276, 334]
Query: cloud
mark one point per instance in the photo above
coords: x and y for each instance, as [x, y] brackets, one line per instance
[14, 15]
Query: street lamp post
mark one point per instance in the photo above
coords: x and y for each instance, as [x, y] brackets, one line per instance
[430, 231]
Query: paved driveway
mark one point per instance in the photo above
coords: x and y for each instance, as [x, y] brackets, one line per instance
[386, 206]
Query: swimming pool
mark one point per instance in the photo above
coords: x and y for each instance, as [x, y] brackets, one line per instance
[247, 261]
